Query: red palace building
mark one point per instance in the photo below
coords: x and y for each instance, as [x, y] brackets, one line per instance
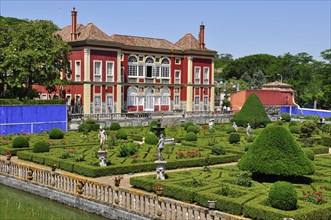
[121, 73]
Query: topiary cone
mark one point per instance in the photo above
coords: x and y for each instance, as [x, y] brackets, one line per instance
[276, 152]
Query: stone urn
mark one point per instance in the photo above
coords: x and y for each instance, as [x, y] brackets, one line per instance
[29, 174]
[80, 186]
[53, 167]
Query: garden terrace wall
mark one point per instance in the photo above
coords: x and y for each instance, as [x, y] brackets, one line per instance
[107, 200]
[32, 119]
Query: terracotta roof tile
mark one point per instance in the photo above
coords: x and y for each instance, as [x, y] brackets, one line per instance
[277, 86]
[90, 31]
[188, 41]
[144, 42]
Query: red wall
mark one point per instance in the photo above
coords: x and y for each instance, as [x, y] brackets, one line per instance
[267, 97]
[103, 56]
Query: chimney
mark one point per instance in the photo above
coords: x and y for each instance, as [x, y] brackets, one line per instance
[202, 37]
[73, 24]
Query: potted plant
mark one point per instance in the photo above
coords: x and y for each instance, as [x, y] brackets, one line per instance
[158, 188]
[8, 155]
[117, 180]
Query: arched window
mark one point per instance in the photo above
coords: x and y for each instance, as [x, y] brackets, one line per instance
[149, 63]
[132, 66]
[165, 96]
[132, 94]
[165, 68]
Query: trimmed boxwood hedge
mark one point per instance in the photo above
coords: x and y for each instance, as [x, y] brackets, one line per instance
[25, 155]
[257, 209]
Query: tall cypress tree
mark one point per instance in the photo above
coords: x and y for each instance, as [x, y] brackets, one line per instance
[252, 112]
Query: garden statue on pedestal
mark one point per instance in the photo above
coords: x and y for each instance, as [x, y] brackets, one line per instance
[160, 147]
[211, 123]
[102, 153]
[160, 163]
[235, 126]
[103, 137]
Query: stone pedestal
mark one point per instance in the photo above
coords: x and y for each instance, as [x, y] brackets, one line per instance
[102, 154]
[160, 169]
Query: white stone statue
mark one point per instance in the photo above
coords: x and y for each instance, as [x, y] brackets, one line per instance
[248, 129]
[211, 123]
[103, 137]
[234, 125]
[160, 146]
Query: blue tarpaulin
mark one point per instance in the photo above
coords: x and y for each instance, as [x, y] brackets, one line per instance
[32, 119]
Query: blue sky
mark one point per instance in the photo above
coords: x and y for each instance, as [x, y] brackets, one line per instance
[240, 28]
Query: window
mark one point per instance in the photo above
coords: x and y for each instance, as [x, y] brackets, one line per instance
[196, 100]
[69, 73]
[132, 66]
[97, 104]
[141, 58]
[205, 100]
[177, 60]
[165, 68]
[110, 71]
[156, 71]
[206, 73]
[110, 104]
[149, 67]
[176, 90]
[97, 71]
[141, 70]
[176, 99]
[177, 74]
[165, 96]
[77, 71]
[197, 75]
[132, 94]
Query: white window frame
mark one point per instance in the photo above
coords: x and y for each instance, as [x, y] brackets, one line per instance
[132, 96]
[133, 67]
[141, 100]
[176, 100]
[67, 73]
[165, 96]
[205, 100]
[96, 74]
[206, 74]
[110, 72]
[179, 74]
[197, 72]
[178, 61]
[97, 102]
[165, 69]
[110, 105]
[78, 71]
[196, 100]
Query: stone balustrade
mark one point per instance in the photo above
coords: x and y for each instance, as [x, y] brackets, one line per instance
[143, 204]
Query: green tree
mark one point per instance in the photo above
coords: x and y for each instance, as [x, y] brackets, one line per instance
[252, 112]
[31, 54]
[276, 152]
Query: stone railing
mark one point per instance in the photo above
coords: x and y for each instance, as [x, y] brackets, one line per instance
[144, 204]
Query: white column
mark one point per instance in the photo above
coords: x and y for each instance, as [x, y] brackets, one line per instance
[119, 85]
[87, 80]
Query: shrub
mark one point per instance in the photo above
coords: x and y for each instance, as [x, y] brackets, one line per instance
[282, 195]
[218, 150]
[84, 128]
[128, 149]
[279, 153]
[40, 146]
[250, 138]
[190, 137]
[326, 128]
[90, 121]
[121, 134]
[94, 127]
[115, 126]
[151, 139]
[308, 128]
[20, 142]
[153, 125]
[252, 112]
[230, 130]
[294, 129]
[234, 138]
[193, 129]
[55, 133]
[286, 116]
[309, 153]
[326, 141]
[245, 179]
[188, 124]
[292, 123]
